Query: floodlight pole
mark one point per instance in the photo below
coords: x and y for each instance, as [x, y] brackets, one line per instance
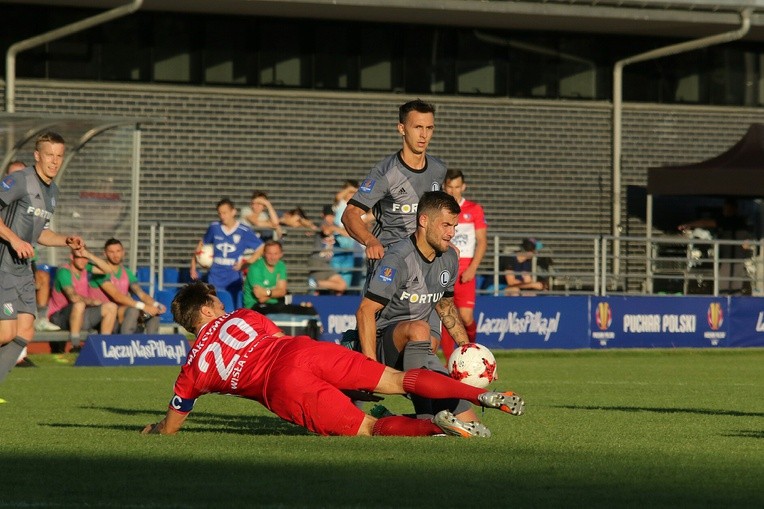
[72, 28]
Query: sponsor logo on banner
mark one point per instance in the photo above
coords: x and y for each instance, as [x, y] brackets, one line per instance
[151, 349]
[715, 315]
[760, 322]
[603, 317]
[340, 323]
[660, 323]
[530, 322]
[715, 318]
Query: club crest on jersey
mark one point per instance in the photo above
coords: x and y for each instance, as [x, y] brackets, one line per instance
[8, 309]
[386, 274]
[236, 238]
[435, 186]
[367, 185]
[7, 183]
[445, 277]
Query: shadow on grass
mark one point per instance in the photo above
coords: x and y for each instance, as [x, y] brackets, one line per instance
[699, 411]
[198, 422]
[746, 433]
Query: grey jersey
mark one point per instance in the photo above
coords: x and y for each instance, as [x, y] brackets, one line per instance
[408, 285]
[392, 190]
[26, 207]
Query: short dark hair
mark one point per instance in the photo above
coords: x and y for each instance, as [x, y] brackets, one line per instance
[48, 136]
[434, 201]
[225, 201]
[415, 105]
[453, 175]
[111, 242]
[272, 242]
[298, 212]
[528, 244]
[258, 194]
[188, 303]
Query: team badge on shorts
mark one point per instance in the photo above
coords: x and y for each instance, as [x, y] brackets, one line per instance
[8, 309]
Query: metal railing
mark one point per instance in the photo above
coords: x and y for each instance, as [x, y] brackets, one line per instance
[567, 264]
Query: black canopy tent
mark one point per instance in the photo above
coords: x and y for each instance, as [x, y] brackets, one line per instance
[738, 172]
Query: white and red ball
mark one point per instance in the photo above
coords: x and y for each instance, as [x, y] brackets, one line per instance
[472, 364]
[204, 256]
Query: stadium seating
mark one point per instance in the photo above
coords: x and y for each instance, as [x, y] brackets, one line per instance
[165, 297]
[170, 277]
[143, 273]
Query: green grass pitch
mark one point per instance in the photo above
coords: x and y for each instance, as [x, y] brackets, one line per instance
[658, 428]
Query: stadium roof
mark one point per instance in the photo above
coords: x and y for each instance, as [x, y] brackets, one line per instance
[667, 18]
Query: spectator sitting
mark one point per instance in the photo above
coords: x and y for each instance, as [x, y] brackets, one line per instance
[349, 256]
[117, 286]
[296, 218]
[518, 269]
[265, 287]
[261, 215]
[71, 306]
[322, 276]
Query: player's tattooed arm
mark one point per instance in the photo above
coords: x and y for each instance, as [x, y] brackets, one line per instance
[449, 315]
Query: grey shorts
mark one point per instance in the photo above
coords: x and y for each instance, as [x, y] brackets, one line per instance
[389, 355]
[17, 295]
[91, 320]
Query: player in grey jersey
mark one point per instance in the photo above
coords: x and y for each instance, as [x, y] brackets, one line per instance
[27, 200]
[415, 277]
[394, 186]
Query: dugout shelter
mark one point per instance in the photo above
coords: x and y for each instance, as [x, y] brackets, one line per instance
[99, 198]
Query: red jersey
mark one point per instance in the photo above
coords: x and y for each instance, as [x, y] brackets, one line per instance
[232, 355]
[471, 219]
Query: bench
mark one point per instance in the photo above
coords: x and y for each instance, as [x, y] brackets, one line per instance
[62, 336]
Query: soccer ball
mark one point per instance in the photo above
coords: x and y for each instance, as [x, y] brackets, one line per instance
[472, 364]
[204, 256]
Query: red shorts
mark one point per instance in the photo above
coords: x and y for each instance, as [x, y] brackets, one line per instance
[304, 385]
[464, 293]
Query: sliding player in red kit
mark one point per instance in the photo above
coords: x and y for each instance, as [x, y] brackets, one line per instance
[301, 380]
